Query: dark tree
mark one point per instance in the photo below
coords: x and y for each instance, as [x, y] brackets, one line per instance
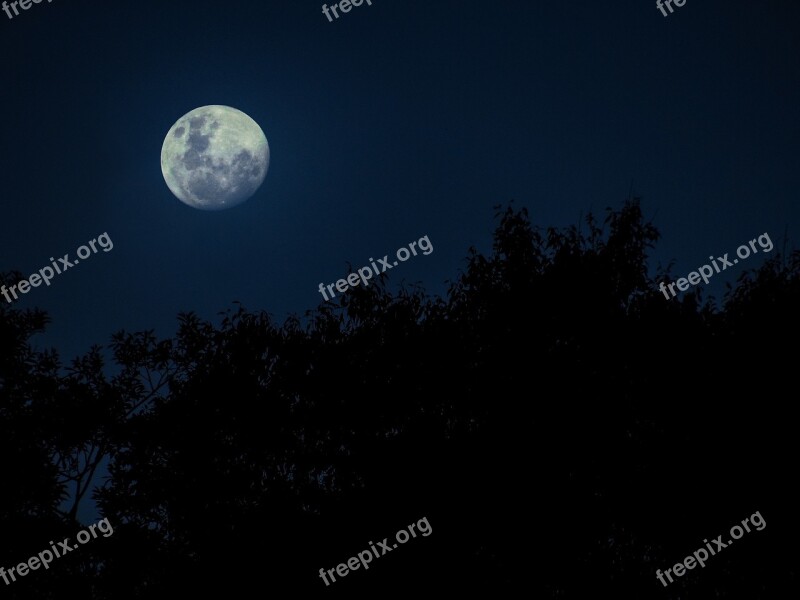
[564, 428]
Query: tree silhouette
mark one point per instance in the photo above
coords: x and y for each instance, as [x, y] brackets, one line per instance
[564, 428]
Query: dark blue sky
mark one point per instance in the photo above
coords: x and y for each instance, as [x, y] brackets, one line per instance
[401, 119]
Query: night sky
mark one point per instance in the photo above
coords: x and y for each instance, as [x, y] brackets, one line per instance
[398, 120]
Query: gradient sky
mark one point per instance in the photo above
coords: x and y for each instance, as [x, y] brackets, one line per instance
[400, 119]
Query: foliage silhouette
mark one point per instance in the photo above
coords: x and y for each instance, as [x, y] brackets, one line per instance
[564, 429]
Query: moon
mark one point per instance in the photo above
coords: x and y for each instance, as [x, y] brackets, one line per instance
[214, 157]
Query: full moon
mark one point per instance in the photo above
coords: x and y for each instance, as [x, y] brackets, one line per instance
[214, 157]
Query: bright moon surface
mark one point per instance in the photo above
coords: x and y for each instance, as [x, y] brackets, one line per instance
[214, 157]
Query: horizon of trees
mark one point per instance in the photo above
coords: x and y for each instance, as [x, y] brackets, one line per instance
[564, 428]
